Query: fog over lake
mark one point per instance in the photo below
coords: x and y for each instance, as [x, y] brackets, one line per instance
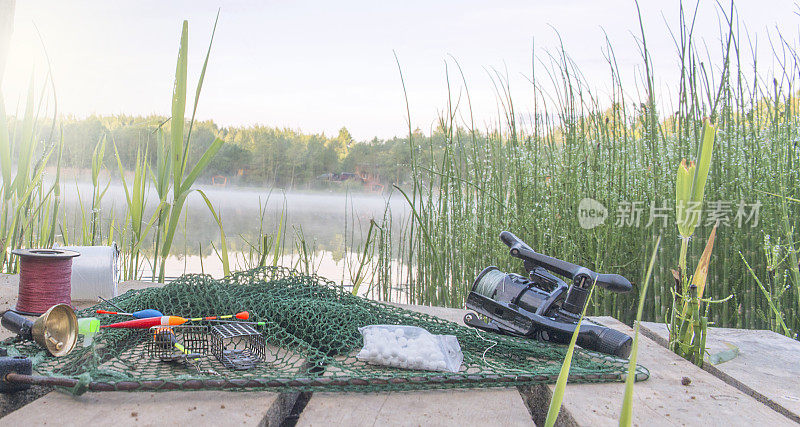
[332, 223]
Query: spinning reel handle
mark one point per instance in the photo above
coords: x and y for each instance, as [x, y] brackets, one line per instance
[521, 250]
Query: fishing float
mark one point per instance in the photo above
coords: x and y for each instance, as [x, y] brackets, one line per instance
[149, 322]
[141, 314]
[242, 315]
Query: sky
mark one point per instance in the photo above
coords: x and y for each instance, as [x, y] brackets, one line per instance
[317, 66]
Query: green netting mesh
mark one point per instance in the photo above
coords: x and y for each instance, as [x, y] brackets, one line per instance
[311, 338]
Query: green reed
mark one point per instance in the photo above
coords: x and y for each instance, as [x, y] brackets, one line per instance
[529, 176]
[31, 213]
[182, 174]
[27, 208]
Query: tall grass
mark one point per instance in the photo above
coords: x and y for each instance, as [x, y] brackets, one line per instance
[136, 200]
[27, 207]
[529, 175]
[31, 213]
[183, 175]
[97, 193]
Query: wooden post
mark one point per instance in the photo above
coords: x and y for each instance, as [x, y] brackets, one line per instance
[6, 28]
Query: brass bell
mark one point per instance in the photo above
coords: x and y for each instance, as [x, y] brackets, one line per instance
[56, 330]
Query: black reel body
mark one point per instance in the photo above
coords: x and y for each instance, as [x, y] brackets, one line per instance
[543, 306]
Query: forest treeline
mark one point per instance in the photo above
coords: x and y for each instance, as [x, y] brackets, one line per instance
[252, 155]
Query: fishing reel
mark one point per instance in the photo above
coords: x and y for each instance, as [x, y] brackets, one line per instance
[542, 305]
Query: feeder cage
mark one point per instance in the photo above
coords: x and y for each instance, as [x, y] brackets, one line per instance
[238, 346]
[162, 340]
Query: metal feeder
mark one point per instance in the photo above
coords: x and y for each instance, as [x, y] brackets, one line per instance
[162, 340]
[238, 346]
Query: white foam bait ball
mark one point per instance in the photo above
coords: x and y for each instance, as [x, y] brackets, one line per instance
[403, 347]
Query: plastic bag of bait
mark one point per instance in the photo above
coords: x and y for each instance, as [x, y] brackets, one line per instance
[410, 347]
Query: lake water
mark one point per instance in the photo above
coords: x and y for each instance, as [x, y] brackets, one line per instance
[332, 224]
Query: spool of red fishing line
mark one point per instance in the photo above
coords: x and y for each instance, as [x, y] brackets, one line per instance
[44, 279]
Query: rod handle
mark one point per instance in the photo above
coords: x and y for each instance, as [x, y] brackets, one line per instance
[17, 324]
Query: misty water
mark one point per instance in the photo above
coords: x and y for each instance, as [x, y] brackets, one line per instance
[333, 224]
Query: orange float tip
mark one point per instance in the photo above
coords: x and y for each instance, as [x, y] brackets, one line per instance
[243, 315]
[173, 320]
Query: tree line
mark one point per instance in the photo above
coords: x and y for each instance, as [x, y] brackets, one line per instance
[252, 155]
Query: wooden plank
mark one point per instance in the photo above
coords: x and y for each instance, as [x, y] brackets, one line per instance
[432, 407]
[502, 406]
[766, 367]
[662, 399]
[139, 408]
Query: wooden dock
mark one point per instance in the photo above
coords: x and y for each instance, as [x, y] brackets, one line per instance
[757, 388]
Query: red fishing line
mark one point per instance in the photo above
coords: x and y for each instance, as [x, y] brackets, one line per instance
[44, 281]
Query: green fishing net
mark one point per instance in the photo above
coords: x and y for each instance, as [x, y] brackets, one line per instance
[308, 342]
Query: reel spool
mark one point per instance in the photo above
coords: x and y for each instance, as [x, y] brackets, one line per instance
[513, 288]
[45, 279]
[95, 273]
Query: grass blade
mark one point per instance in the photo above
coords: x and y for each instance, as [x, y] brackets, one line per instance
[200, 85]
[122, 176]
[179, 108]
[27, 148]
[223, 246]
[704, 152]
[359, 276]
[627, 401]
[701, 273]
[205, 159]
[277, 241]
[5, 149]
[563, 375]
[768, 298]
